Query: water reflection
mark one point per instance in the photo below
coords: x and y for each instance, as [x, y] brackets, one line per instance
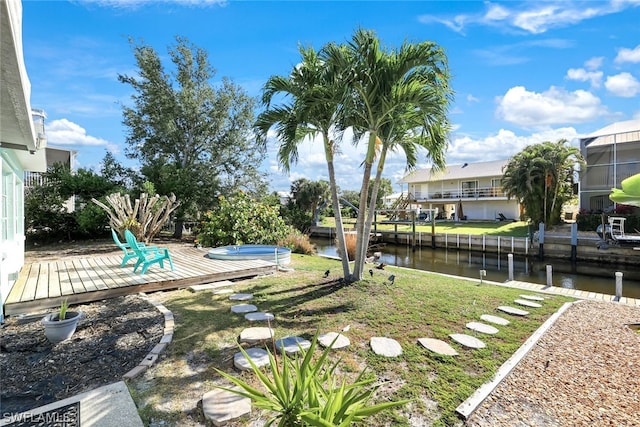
[587, 276]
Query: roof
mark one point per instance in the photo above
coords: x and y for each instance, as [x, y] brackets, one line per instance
[456, 172]
[615, 133]
[618, 127]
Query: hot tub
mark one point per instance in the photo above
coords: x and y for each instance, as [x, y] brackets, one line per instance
[276, 254]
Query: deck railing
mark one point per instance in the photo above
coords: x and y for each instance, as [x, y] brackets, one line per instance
[475, 193]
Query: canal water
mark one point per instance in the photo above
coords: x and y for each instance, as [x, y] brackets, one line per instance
[585, 275]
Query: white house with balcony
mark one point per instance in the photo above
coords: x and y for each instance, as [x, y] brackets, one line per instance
[22, 143]
[612, 154]
[470, 191]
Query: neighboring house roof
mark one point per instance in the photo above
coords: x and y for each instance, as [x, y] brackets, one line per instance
[457, 172]
[629, 131]
[619, 127]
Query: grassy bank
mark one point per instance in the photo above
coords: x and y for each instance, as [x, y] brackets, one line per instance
[497, 228]
[418, 305]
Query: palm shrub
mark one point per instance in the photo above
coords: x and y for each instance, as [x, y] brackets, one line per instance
[305, 392]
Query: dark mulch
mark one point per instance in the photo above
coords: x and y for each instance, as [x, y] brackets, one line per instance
[113, 337]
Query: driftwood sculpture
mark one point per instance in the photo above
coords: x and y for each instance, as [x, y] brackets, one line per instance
[144, 218]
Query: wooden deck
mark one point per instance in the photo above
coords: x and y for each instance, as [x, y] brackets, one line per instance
[81, 280]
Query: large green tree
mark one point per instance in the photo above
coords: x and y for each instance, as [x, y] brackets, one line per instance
[541, 178]
[311, 98]
[394, 97]
[192, 137]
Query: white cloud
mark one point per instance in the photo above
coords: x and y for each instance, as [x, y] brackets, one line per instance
[67, 133]
[502, 145]
[594, 63]
[552, 107]
[628, 55]
[582, 75]
[533, 17]
[623, 84]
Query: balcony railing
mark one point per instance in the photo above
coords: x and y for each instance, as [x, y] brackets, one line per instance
[474, 193]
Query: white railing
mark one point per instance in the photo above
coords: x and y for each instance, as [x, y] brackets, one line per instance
[472, 193]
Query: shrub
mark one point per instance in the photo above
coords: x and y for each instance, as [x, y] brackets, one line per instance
[238, 220]
[298, 243]
[305, 392]
[350, 240]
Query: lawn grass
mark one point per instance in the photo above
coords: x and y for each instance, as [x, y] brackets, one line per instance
[419, 304]
[494, 228]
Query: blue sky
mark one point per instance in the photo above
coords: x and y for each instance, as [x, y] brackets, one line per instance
[523, 72]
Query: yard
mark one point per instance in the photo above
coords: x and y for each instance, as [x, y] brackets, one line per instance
[417, 305]
[494, 228]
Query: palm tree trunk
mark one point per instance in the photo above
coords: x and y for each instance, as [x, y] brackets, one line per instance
[342, 246]
[363, 239]
[374, 199]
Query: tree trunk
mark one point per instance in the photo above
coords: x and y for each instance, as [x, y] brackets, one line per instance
[177, 232]
[362, 210]
[372, 202]
[342, 246]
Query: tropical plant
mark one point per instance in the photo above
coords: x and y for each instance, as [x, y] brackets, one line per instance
[541, 178]
[313, 92]
[191, 138]
[401, 94]
[629, 194]
[305, 392]
[64, 307]
[239, 219]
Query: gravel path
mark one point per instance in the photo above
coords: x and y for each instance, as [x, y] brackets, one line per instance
[584, 371]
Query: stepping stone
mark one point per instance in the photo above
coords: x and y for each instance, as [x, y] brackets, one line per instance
[223, 291]
[325, 340]
[221, 406]
[482, 327]
[527, 303]
[256, 335]
[207, 286]
[437, 346]
[258, 316]
[291, 345]
[494, 319]
[387, 347]
[257, 355]
[512, 310]
[467, 341]
[532, 297]
[243, 308]
[241, 297]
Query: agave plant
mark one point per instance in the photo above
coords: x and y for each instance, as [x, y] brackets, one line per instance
[304, 392]
[630, 193]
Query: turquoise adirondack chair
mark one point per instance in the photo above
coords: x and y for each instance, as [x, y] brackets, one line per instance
[147, 255]
[126, 249]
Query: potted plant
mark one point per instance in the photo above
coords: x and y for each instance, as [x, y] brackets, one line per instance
[61, 325]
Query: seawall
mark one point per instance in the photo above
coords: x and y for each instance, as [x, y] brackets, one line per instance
[555, 246]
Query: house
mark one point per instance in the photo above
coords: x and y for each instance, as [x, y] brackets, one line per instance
[22, 144]
[471, 190]
[54, 156]
[611, 154]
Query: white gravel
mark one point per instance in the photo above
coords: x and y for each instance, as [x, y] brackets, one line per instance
[584, 371]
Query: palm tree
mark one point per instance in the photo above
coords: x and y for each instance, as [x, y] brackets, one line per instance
[313, 92]
[381, 84]
[541, 172]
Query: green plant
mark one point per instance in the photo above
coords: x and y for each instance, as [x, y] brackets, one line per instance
[64, 306]
[240, 219]
[304, 392]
